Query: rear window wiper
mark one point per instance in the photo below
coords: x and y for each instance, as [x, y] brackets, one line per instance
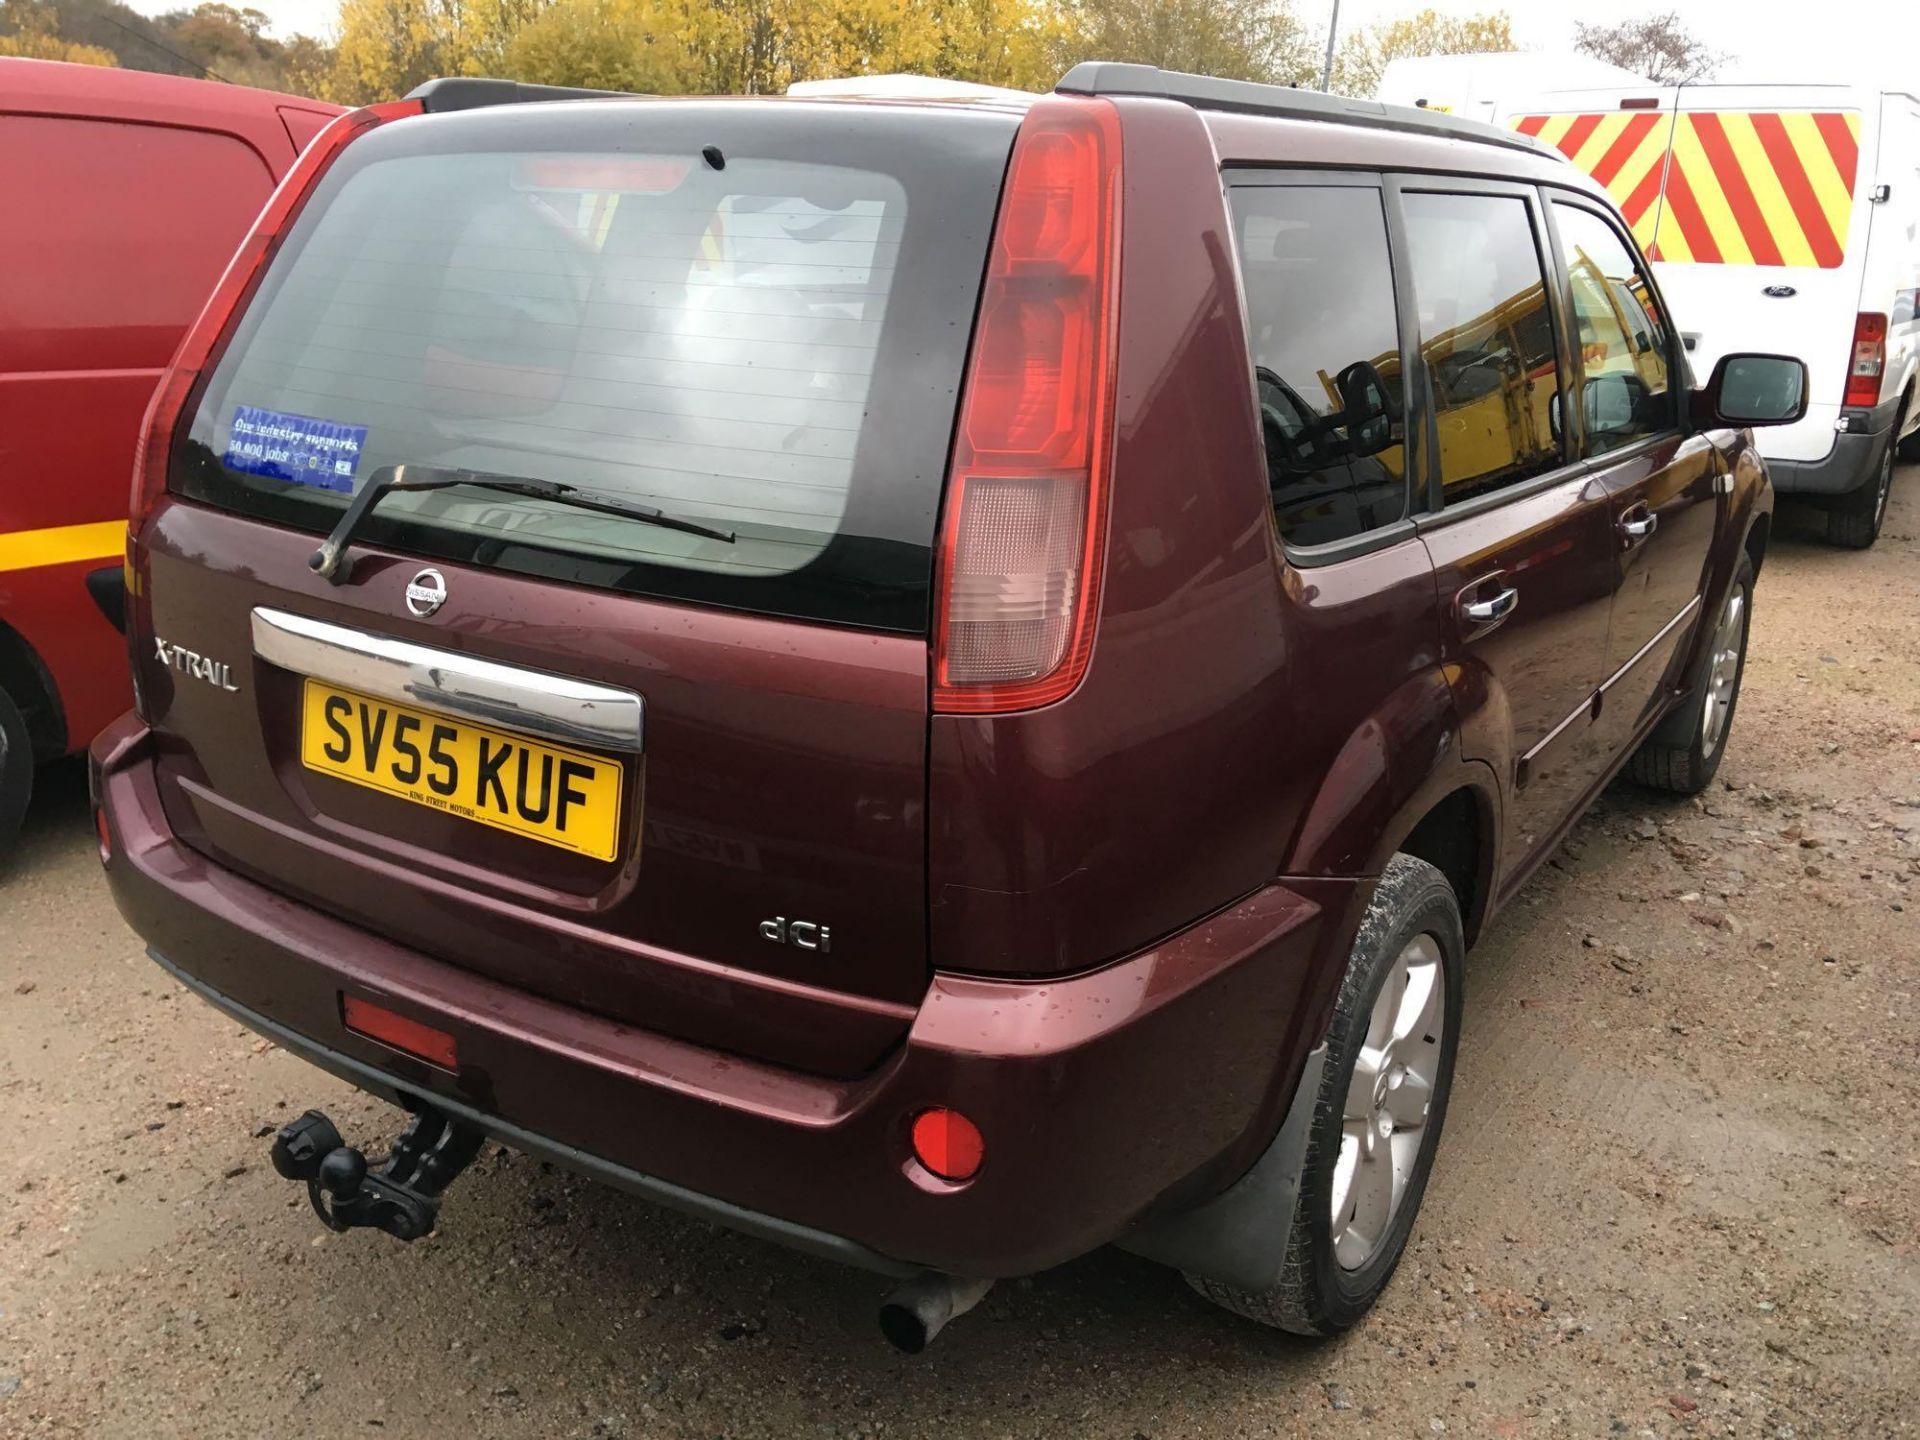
[330, 561]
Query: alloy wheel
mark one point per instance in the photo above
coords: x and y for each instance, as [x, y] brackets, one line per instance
[1723, 669]
[1384, 1122]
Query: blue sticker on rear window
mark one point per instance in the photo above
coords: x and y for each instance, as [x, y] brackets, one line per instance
[299, 448]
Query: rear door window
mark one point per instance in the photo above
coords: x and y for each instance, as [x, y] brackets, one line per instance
[1486, 333]
[1324, 331]
[757, 327]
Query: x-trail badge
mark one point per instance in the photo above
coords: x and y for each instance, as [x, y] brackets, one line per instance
[426, 593]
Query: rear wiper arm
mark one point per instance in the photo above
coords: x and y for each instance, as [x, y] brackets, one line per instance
[331, 563]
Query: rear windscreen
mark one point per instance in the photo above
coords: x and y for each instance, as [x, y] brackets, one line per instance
[1721, 187]
[749, 317]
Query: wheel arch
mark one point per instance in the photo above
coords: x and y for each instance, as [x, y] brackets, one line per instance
[1457, 834]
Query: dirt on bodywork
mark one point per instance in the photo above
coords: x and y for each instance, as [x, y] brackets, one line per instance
[1679, 1192]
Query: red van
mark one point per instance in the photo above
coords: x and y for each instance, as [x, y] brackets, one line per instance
[133, 191]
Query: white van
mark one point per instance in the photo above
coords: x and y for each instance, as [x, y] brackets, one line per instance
[1472, 86]
[1783, 218]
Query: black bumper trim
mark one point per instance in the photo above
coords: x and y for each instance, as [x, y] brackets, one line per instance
[1854, 459]
[662, 1192]
[108, 587]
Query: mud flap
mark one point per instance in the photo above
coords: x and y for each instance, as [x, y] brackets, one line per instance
[1239, 1237]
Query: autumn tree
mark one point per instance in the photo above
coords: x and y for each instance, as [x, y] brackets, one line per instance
[32, 31]
[1236, 39]
[759, 47]
[227, 41]
[632, 45]
[1657, 46]
[1363, 56]
[998, 42]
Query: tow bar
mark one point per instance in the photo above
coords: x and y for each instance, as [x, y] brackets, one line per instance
[401, 1195]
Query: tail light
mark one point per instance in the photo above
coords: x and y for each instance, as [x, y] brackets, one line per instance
[208, 335]
[1024, 529]
[1869, 360]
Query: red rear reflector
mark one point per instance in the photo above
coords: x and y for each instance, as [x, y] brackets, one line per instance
[376, 1022]
[204, 339]
[106, 835]
[948, 1144]
[1869, 361]
[1024, 530]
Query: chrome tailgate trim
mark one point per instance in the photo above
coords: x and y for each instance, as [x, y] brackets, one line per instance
[532, 702]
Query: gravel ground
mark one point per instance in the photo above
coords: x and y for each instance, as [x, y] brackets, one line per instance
[1679, 1193]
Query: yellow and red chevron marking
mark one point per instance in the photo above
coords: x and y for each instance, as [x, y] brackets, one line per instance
[1742, 187]
[1625, 150]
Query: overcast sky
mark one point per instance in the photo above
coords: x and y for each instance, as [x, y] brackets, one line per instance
[1771, 39]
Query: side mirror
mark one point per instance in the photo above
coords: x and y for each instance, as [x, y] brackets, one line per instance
[1751, 390]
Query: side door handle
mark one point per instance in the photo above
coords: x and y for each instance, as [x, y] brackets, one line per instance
[1638, 523]
[1490, 611]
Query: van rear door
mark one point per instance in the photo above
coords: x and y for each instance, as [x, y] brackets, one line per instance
[1763, 239]
[673, 771]
[1752, 203]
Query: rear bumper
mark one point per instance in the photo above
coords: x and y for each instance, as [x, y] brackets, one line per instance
[1103, 1097]
[1855, 457]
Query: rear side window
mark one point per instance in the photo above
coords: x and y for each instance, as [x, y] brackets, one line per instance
[114, 236]
[766, 339]
[1625, 391]
[1324, 333]
[1486, 332]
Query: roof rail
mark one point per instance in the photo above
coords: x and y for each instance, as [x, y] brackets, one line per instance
[1205, 92]
[472, 92]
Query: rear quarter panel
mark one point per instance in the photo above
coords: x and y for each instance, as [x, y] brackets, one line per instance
[1066, 836]
[1241, 718]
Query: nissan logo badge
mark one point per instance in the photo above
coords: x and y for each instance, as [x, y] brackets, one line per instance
[426, 593]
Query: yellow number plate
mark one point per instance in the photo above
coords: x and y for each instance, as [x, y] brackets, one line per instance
[562, 797]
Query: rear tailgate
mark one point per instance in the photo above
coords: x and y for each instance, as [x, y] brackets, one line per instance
[752, 316]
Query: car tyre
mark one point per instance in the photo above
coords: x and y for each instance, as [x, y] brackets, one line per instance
[16, 768]
[1854, 521]
[1343, 1245]
[1683, 755]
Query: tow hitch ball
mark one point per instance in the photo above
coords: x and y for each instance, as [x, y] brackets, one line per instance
[400, 1195]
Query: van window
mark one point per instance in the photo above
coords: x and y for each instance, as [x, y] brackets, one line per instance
[1326, 357]
[766, 346]
[115, 236]
[1486, 333]
[1625, 391]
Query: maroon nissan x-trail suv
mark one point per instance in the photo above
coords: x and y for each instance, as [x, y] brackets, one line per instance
[945, 683]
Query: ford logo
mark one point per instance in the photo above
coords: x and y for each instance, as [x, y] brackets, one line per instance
[426, 593]
[1780, 292]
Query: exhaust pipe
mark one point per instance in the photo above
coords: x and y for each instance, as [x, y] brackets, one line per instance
[919, 1310]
